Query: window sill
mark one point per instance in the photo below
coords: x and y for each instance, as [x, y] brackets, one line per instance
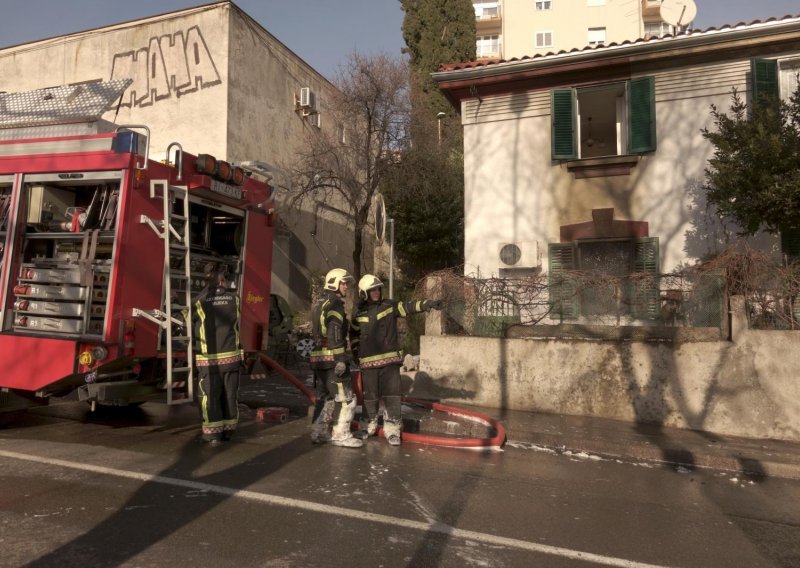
[602, 167]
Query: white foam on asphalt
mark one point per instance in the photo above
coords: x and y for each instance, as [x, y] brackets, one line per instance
[276, 500]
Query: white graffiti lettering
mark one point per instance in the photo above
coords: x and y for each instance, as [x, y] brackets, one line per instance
[170, 65]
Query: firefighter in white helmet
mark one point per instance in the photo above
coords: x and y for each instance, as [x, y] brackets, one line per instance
[376, 348]
[336, 401]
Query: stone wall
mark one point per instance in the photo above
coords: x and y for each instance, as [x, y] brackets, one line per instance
[747, 386]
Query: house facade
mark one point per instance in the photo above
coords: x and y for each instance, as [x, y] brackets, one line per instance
[599, 154]
[214, 80]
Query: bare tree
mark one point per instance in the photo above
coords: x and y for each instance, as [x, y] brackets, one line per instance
[345, 166]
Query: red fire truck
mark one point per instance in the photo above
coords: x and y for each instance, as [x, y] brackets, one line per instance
[102, 251]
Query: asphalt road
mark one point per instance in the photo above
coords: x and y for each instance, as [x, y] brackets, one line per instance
[136, 488]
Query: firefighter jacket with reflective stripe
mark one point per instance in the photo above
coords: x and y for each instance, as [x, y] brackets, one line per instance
[373, 331]
[216, 327]
[328, 331]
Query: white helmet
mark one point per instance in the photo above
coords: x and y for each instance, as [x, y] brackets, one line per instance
[335, 277]
[368, 282]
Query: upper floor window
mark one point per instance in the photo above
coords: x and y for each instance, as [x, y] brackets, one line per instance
[597, 36]
[487, 10]
[614, 119]
[774, 78]
[544, 4]
[487, 46]
[789, 78]
[544, 39]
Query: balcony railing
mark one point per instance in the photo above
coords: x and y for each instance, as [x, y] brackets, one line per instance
[488, 15]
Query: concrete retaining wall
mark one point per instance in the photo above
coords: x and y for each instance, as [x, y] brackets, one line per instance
[749, 386]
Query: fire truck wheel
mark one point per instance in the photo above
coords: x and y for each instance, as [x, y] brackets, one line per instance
[10, 417]
[304, 347]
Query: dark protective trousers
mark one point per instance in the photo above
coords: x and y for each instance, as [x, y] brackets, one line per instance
[382, 383]
[219, 401]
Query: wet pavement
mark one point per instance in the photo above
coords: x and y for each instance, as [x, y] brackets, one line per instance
[135, 487]
[576, 435]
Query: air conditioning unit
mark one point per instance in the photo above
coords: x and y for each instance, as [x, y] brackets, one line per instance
[307, 98]
[314, 120]
[523, 254]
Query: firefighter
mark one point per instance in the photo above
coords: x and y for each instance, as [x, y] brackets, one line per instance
[376, 348]
[336, 401]
[218, 359]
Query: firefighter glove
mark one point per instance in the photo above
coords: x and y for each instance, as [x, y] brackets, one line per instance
[434, 305]
[340, 369]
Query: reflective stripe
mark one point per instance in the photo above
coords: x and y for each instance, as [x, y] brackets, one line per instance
[402, 309]
[324, 351]
[362, 319]
[238, 318]
[382, 356]
[384, 313]
[322, 327]
[337, 315]
[382, 362]
[202, 315]
[215, 356]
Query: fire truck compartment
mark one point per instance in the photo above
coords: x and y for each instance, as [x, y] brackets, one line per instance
[66, 247]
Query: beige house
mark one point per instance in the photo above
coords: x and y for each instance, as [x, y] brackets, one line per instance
[216, 81]
[599, 151]
[519, 28]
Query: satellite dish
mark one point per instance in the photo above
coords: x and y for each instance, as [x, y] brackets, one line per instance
[678, 12]
[379, 210]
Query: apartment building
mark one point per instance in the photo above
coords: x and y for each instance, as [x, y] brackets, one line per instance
[519, 28]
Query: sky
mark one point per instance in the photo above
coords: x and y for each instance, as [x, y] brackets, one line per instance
[322, 32]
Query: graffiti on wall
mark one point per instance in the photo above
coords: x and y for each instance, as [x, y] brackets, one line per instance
[170, 66]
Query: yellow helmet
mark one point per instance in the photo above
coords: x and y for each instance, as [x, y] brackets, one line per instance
[368, 282]
[335, 277]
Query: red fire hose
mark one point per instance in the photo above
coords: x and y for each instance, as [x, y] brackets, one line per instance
[493, 443]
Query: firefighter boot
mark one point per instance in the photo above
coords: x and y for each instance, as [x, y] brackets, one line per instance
[391, 429]
[320, 428]
[366, 429]
[341, 428]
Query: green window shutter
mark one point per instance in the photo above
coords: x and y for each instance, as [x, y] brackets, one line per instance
[790, 244]
[563, 103]
[562, 288]
[645, 292]
[642, 115]
[764, 80]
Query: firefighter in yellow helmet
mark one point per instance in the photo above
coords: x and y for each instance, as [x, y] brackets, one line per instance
[376, 347]
[336, 401]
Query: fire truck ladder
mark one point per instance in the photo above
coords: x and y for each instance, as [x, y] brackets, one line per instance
[174, 319]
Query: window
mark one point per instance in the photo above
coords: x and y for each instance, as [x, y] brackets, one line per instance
[789, 78]
[487, 46]
[487, 10]
[616, 259]
[544, 39]
[772, 79]
[604, 120]
[544, 4]
[597, 36]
